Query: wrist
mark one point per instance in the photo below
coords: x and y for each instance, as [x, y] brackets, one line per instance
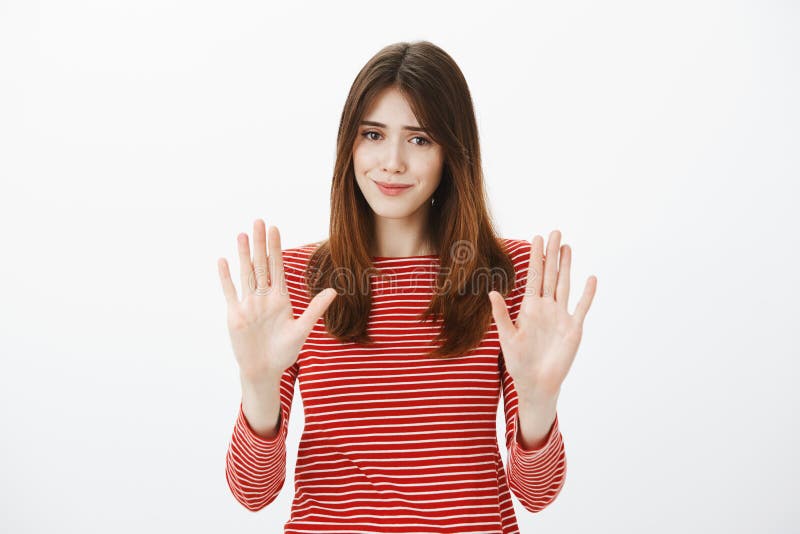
[537, 397]
[258, 380]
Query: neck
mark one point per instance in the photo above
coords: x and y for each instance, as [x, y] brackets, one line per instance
[402, 237]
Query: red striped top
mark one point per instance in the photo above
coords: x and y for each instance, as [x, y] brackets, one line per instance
[394, 441]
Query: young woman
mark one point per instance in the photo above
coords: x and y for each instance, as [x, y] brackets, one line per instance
[402, 329]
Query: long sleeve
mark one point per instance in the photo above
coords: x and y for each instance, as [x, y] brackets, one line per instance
[535, 476]
[256, 467]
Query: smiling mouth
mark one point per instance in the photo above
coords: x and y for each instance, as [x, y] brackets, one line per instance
[392, 189]
[391, 186]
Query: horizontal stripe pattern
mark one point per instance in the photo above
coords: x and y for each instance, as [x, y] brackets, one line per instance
[394, 441]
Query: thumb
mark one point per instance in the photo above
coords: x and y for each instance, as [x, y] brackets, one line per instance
[316, 308]
[505, 326]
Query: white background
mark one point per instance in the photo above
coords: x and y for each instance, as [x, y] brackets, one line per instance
[138, 138]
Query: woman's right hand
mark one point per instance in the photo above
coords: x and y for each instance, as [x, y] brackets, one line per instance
[265, 335]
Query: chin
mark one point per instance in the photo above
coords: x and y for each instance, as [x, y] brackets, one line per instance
[394, 212]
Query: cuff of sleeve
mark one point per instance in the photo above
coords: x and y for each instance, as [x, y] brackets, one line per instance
[259, 443]
[551, 445]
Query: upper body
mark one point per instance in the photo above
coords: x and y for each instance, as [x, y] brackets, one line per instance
[394, 441]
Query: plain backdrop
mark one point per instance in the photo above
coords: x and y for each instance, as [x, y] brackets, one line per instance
[138, 138]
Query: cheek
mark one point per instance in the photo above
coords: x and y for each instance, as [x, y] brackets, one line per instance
[433, 160]
[360, 159]
[433, 171]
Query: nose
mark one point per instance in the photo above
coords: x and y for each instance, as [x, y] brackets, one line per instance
[393, 159]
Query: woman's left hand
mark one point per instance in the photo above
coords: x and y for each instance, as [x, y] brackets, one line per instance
[539, 348]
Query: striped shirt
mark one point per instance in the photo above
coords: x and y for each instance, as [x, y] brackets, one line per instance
[394, 441]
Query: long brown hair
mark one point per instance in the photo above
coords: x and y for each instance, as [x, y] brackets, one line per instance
[461, 229]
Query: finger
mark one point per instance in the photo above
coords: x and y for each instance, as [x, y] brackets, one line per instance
[276, 273]
[315, 309]
[551, 265]
[260, 256]
[586, 299]
[533, 286]
[228, 289]
[245, 266]
[505, 326]
[562, 289]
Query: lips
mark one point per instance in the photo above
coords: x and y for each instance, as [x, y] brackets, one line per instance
[388, 185]
[392, 190]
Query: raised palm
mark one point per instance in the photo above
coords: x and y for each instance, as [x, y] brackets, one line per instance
[540, 347]
[266, 337]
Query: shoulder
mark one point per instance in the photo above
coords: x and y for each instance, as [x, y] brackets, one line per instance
[519, 250]
[295, 265]
[299, 254]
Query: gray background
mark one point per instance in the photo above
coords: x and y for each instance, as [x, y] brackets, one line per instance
[138, 138]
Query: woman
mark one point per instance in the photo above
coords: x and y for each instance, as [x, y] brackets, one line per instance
[398, 331]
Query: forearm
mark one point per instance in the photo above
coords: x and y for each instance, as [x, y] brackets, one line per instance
[261, 404]
[536, 417]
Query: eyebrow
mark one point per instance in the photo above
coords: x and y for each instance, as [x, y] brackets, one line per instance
[381, 125]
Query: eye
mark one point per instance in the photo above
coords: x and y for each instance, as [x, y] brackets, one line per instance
[424, 141]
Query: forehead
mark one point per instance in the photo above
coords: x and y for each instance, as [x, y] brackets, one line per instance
[391, 108]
